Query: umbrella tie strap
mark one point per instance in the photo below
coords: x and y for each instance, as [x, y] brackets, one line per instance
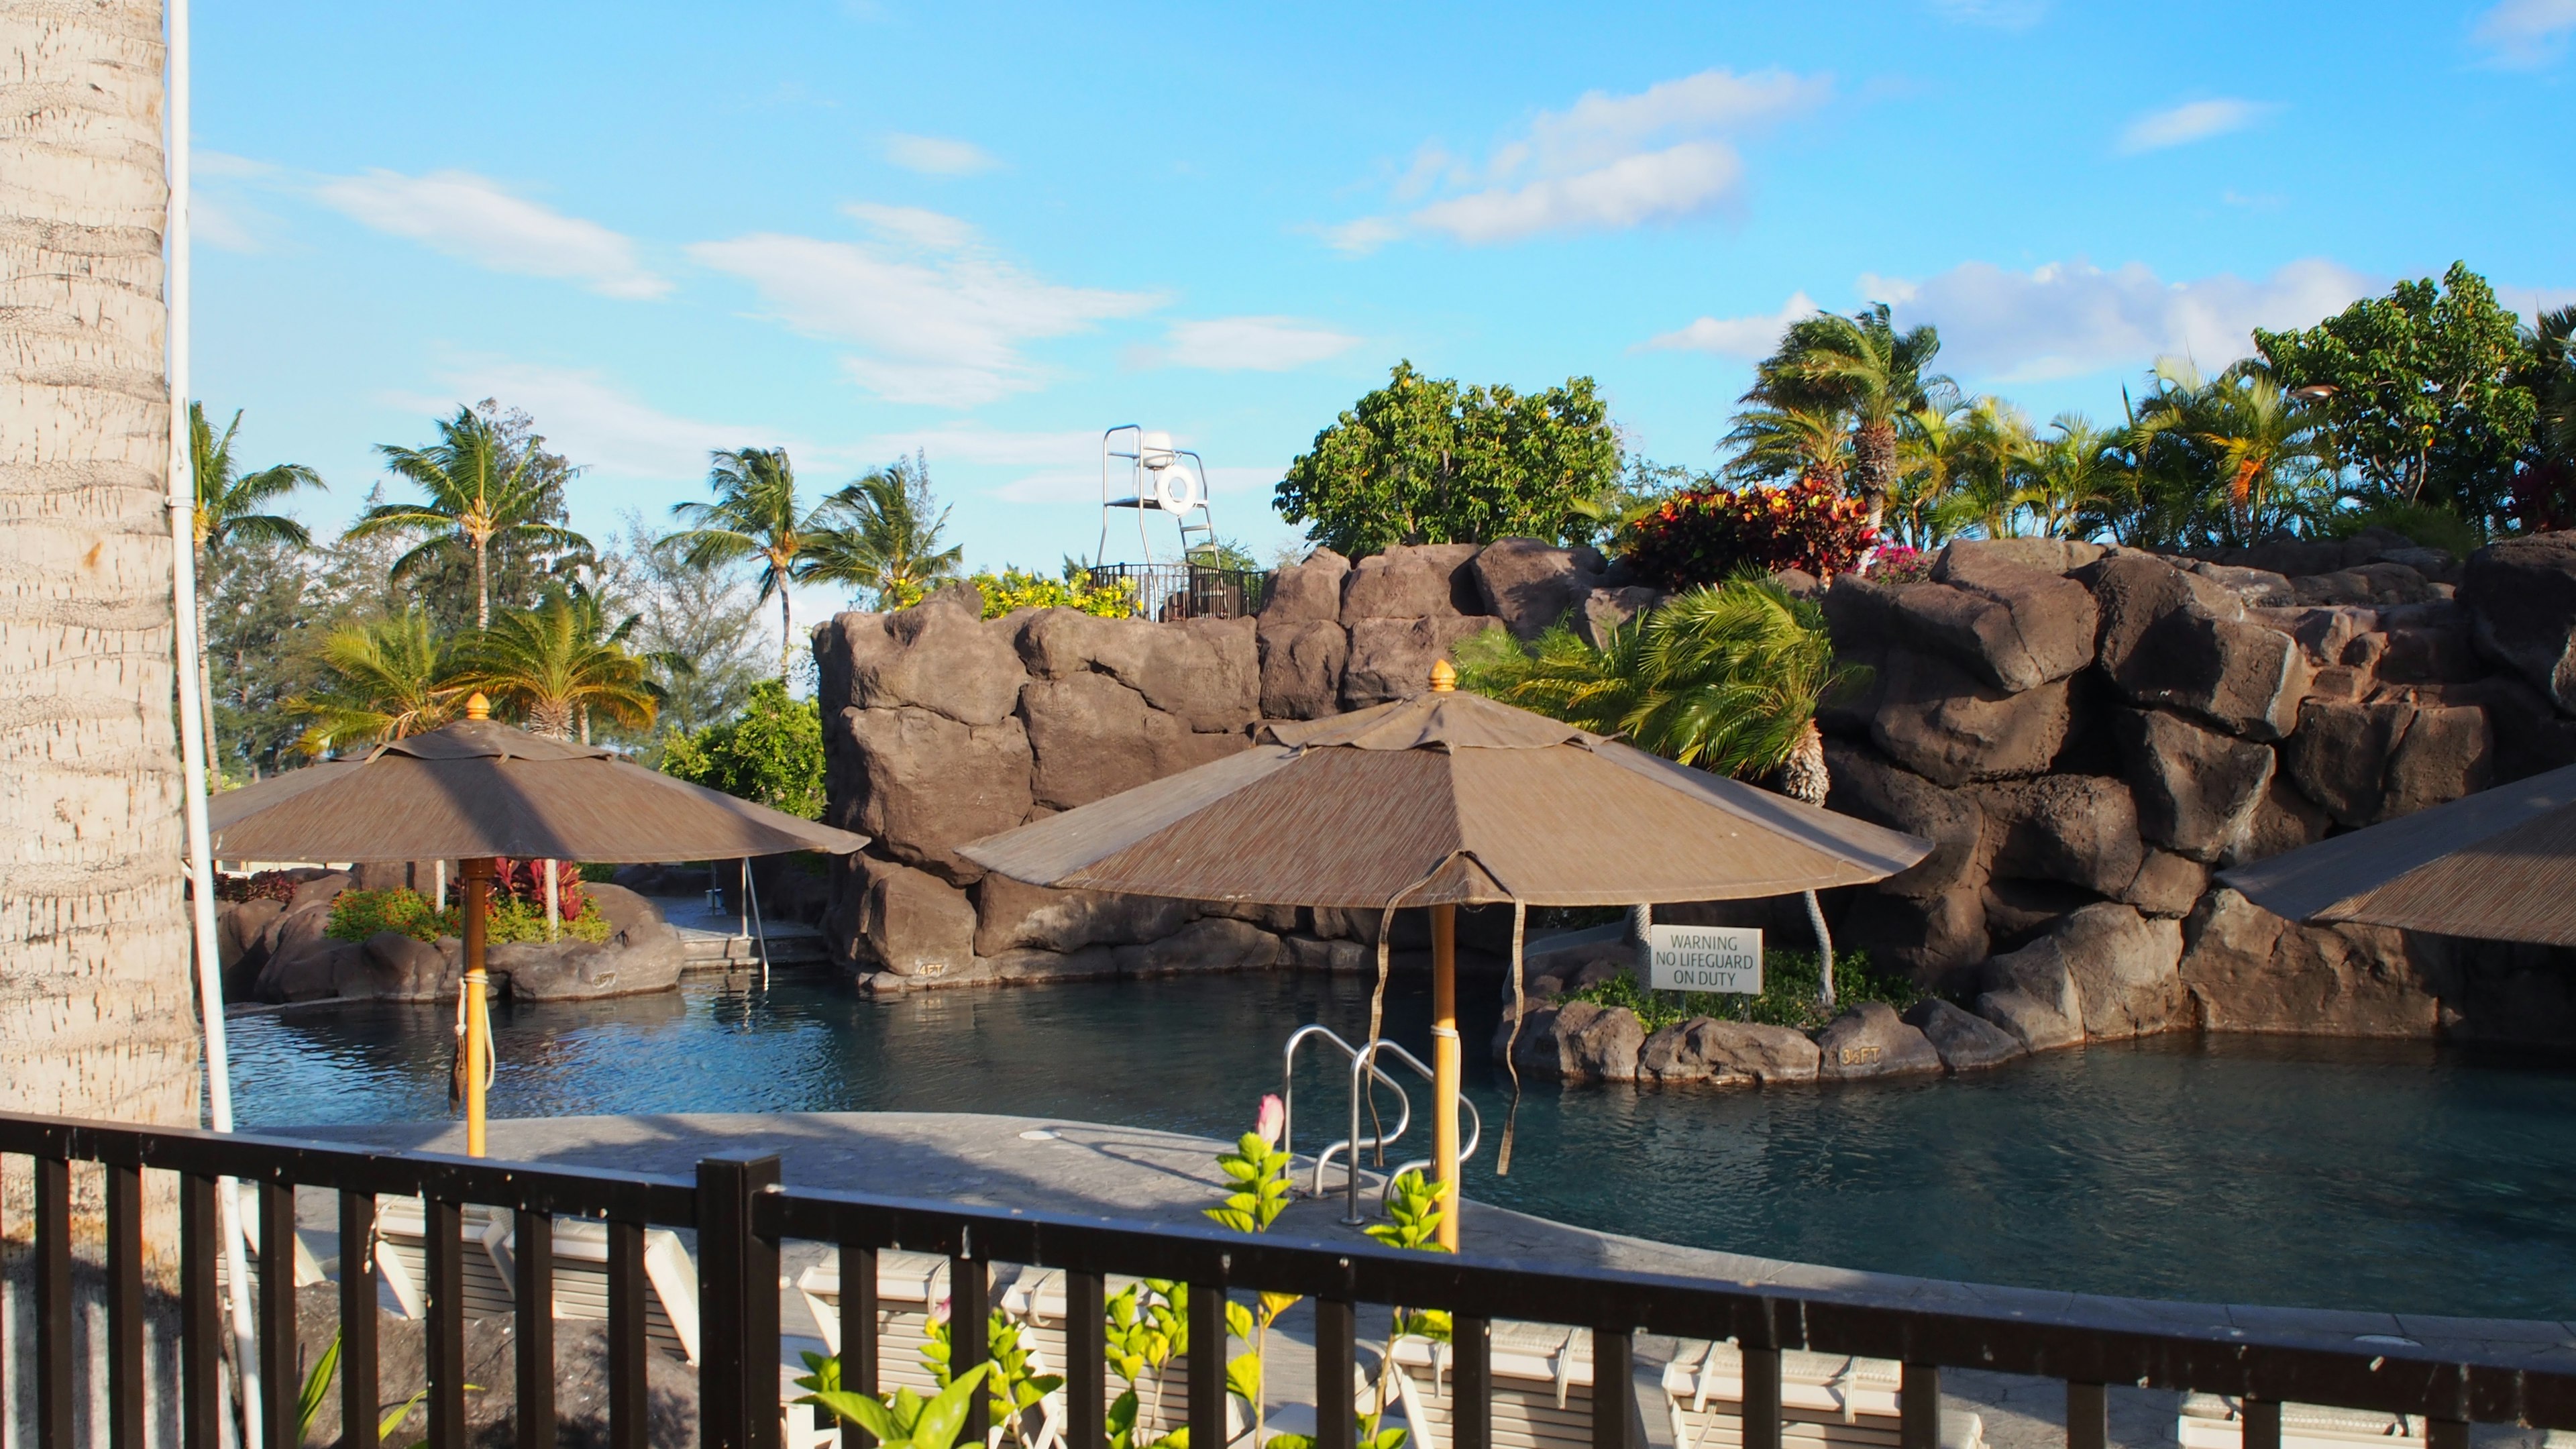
[1511, 1045]
[1377, 1019]
[1450, 1032]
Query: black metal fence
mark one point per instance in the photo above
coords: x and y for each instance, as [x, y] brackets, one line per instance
[742, 1216]
[1168, 592]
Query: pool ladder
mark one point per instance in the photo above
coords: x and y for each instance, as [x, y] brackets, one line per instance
[1364, 1070]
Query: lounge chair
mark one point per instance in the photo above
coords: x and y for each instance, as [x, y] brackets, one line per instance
[308, 1269]
[2210, 1421]
[910, 1287]
[580, 1270]
[1826, 1399]
[1541, 1380]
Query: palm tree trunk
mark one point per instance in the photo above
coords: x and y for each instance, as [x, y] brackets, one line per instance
[206, 688]
[786, 636]
[482, 586]
[1874, 467]
[102, 1021]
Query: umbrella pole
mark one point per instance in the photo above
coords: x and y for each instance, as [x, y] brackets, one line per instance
[1444, 1066]
[477, 873]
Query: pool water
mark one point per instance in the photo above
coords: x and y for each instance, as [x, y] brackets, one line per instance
[2242, 1170]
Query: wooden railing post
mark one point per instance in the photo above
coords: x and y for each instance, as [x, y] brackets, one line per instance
[858, 1333]
[1761, 1398]
[1208, 1347]
[1086, 1366]
[1336, 1341]
[201, 1365]
[280, 1373]
[1471, 1384]
[1614, 1387]
[54, 1388]
[737, 1305]
[359, 1404]
[626, 1342]
[532, 1290]
[970, 1305]
[126, 1391]
[1918, 1407]
[2088, 1416]
[443, 1255]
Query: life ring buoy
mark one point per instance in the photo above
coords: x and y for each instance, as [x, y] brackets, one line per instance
[1176, 488]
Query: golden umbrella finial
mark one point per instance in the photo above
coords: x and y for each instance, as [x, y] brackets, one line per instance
[1444, 677]
[477, 707]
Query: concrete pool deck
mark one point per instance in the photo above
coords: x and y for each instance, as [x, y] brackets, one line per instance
[1167, 1178]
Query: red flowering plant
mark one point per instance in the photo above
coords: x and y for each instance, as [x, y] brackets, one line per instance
[1702, 535]
[1899, 564]
[526, 880]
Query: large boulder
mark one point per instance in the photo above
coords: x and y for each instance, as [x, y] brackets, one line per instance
[1866, 785]
[1935, 941]
[2014, 627]
[2373, 583]
[923, 783]
[397, 967]
[1602, 610]
[320, 891]
[1965, 1043]
[1308, 592]
[2081, 830]
[2170, 638]
[584, 971]
[1530, 584]
[1575, 1041]
[1870, 1040]
[915, 923]
[940, 655]
[2060, 556]
[1767, 1054]
[238, 926]
[2376, 761]
[1937, 721]
[1392, 658]
[2031, 994]
[2123, 965]
[1204, 672]
[1092, 737]
[2282, 822]
[626, 912]
[1301, 668]
[2167, 885]
[1213, 943]
[2521, 597]
[1011, 915]
[310, 969]
[2196, 789]
[2250, 970]
[1412, 582]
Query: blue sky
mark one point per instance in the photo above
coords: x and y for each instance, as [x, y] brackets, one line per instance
[990, 231]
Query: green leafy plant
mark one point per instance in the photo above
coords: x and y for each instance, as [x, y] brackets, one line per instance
[1259, 1169]
[1789, 996]
[770, 754]
[904, 1420]
[1414, 1212]
[1019, 589]
[356, 915]
[1016, 1389]
[1369, 1436]
[1148, 1325]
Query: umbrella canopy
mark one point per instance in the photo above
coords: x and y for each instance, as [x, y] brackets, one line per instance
[479, 788]
[1446, 799]
[2499, 865]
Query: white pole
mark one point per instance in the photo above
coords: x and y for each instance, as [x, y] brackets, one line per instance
[192, 736]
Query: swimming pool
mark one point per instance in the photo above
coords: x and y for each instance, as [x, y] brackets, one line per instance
[2244, 1170]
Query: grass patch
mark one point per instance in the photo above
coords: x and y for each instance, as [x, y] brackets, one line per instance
[1789, 981]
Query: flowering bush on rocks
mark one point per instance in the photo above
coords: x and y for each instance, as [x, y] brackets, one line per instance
[1701, 535]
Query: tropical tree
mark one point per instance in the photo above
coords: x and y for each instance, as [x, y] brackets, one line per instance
[1726, 678]
[880, 534]
[1864, 368]
[383, 680]
[478, 488]
[1993, 443]
[754, 515]
[96, 950]
[2066, 483]
[1805, 443]
[228, 515]
[2244, 441]
[1426, 460]
[559, 664]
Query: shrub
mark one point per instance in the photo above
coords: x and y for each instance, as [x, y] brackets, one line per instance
[267, 885]
[1899, 564]
[771, 753]
[1789, 981]
[1017, 589]
[2428, 524]
[1704, 534]
[356, 915]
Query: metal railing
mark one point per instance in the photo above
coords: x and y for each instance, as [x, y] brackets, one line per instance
[1169, 592]
[742, 1216]
[1349, 1148]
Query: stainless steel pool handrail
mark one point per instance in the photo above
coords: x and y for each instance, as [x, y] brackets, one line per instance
[1351, 1145]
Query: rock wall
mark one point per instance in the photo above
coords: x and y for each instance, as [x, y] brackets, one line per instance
[2075, 727]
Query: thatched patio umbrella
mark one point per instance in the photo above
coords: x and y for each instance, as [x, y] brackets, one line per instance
[476, 790]
[1445, 800]
[2499, 865]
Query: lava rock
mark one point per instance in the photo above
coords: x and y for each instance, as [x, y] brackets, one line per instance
[1936, 941]
[2376, 761]
[2060, 556]
[1951, 729]
[2167, 885]
[1308, 592]
[311, 969]
[1577, 1041]
[1669, 1057]
[2520, 594]
[320, 891]
[1603, 610]
[1092, 737]
[2196, 789]
[1530, 584]
[2031, 994]
[1866, 785]
[1341, 958]
[2014, 627]
[584, 970]
[2123, 966]
[1870, 1040]
[2078, 829]
[939, 655]
[915, 923]
[1420, 581]
[925, 783]
[1965, 1043]
[404, 968]
[1213, 943]
[1392, 658]
[1011, 915]
[2172, 639]
[1301, 668]
[2250, 970]
[1204, 672]
[1768, 1054]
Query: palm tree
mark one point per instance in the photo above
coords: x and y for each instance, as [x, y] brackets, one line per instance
[1805, 443]
[97, 954]
[882, 536]
[1726, 677]
[1864, 368]
[2079, 475]
[754, 515]
[228, 504]
[478, 488]
[2268, 453]
[556, 665]
[387, 679]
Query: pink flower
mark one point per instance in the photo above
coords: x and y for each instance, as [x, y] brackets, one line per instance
[1272, 1120]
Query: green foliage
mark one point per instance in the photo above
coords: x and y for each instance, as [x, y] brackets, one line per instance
[904, 1420]
[1259, 1172]
[1367, 1436]
[1789, 994]
[771, 753]
[1015, 1388]
[2228, 460]
[554, 668]
[1019, 589]
[2426, 405]
[1414, 1211]
[1726, 678]
[492, 510]
[382, 680]
[880, 534]
[1700, 535]
[2427, 523]
[356, 915]
[1426, 460]
[1865, 374]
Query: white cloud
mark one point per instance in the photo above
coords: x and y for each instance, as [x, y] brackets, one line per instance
[595, 422]
[469, 216]
[2191, 121]
[2070, 318]
[938, 317]
[939, 155]
[2523, 34]
[1250, 344]
[2530, 302]
[1734, 336]
[2000, 14]
[1605, 163]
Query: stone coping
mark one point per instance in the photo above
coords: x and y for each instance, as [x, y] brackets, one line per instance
[1158, 1177]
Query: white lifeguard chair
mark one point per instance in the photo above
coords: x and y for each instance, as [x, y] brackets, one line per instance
[1143, 473]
